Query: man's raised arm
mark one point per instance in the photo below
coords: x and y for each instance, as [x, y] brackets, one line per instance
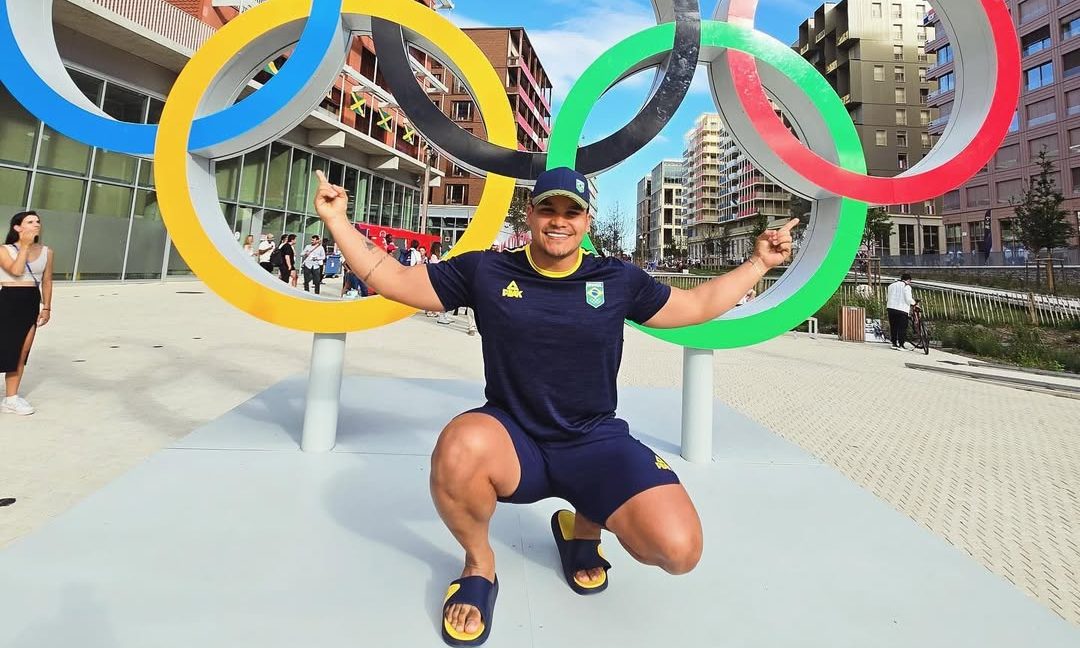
[407, 285]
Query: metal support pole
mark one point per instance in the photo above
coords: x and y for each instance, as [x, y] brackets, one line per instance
[697, 405]
[323, 393]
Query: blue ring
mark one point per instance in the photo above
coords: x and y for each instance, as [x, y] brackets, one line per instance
[138, 139]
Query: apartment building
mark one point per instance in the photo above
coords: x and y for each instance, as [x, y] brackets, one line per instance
[725, 194]
[659, 232]
[875, 54]
[529, 89]
[1048, 118]
[99, 208]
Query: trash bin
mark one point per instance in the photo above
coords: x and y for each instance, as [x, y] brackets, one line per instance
[852, 324]
[333, 265]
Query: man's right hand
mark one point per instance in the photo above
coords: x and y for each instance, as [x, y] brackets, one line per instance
[331, 201]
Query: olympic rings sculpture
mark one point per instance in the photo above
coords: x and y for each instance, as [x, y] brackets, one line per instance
[202, 122]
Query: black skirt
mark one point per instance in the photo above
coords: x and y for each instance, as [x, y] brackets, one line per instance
[19, 310]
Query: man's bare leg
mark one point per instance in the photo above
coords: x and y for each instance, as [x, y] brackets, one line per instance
[660, 527]
[586, 529]
[474, 463]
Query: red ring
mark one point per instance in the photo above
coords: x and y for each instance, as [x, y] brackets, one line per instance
[902, 188]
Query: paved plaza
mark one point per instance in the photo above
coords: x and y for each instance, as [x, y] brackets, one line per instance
[124, 371]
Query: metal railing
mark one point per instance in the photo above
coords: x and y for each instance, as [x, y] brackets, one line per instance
[163, 19]
[964, 304]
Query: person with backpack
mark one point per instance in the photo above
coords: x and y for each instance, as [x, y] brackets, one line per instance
[266, 252]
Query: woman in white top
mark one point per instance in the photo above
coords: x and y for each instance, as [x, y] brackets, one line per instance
[25, 302]
[249, 247]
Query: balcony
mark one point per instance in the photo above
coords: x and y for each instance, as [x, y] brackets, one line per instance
[164, 19]
[804, 49]
[831, 67]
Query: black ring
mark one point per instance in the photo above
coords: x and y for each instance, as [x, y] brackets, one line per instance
[478, 155]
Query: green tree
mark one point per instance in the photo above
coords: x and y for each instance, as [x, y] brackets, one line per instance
[1040, 220]
[609, 232]
[515, 216]
[761, 224]
[878, 227]
[800, 208]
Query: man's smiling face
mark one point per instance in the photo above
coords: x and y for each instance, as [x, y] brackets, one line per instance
[558, 225]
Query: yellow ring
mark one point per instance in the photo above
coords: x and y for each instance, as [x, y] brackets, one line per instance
[171, 159]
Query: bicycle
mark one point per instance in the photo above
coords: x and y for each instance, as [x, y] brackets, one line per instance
[920, 330]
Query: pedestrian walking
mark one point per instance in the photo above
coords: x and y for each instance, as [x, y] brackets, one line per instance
[266, 250]
[899, 302]
[313, 259]
[26, 289]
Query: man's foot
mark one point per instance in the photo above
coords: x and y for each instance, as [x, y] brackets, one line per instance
[587, 530]
[466, 619]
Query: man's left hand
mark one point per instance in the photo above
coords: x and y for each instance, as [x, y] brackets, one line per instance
[774, 246]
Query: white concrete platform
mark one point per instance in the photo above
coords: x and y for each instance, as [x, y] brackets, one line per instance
[233, 537]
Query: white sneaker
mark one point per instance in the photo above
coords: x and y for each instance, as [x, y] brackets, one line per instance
[16, 405]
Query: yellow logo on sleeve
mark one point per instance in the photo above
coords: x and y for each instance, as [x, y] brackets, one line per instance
[661, 464]
[513, 291]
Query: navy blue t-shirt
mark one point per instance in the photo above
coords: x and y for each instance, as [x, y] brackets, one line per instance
[552, 342]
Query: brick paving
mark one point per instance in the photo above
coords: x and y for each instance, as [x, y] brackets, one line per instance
[124, 370]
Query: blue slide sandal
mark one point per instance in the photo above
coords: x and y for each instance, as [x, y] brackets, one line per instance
[578, 555]
[476, 591]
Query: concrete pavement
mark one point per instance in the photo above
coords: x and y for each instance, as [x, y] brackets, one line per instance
[124, 370]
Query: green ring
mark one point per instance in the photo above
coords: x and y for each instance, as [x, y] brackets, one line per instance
[606, 71]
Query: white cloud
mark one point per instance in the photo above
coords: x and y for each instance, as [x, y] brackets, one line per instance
[465, 22]
[573, 44]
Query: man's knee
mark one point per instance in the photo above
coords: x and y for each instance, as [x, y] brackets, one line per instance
[680, 550]
[464, 448]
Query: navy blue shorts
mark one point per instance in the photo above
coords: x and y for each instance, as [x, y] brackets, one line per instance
[596, 474]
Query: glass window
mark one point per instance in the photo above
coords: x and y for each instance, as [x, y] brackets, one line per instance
[1036, 41]
[457, 194]
[295, 224]
[1007, 189]
[462, 111]
[253, 176]
[273, 223]
[879, 73]
[352, 174]
[901, 161]
[301, 169]
[228, 177]
[363, 185]
[931, 240]
[105, 232]
[924, 117]
[277, 180]
[1039, 76]
[898, 32]
[920, 11]
[61, 153]
[1070, 64]
[18, 131]
[875, 10]
[1014, 125]
[1032, 9]
[900, 96]
[1074, 141]
[978, 196]
[898, 74]
[925, 138]
[146, 251]
[59, 201]
[1008, 156]
[1075, 175]
[1048, 143]
[1070, 27]
[901, 139]
[1041, 112]
[920, 54]
[947, 82]
[907, 239]
[951, 200]
[126, 106]
[375, 201]
[901, 117]
[177, 266]
[922, 77]
[146, 173]
[897, 10]
[153, 115]
[944, 55]
[898, 52]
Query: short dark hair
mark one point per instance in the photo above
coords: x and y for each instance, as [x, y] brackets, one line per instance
[905, 277]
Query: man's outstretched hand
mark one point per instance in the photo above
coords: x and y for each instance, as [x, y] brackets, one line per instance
[774, 246]
[331, 201]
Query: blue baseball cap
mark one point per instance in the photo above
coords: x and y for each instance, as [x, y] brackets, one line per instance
[562, 181]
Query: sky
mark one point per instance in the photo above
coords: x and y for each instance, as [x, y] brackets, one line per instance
[571, 34]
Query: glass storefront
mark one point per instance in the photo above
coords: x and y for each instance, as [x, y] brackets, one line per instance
[100, 212]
